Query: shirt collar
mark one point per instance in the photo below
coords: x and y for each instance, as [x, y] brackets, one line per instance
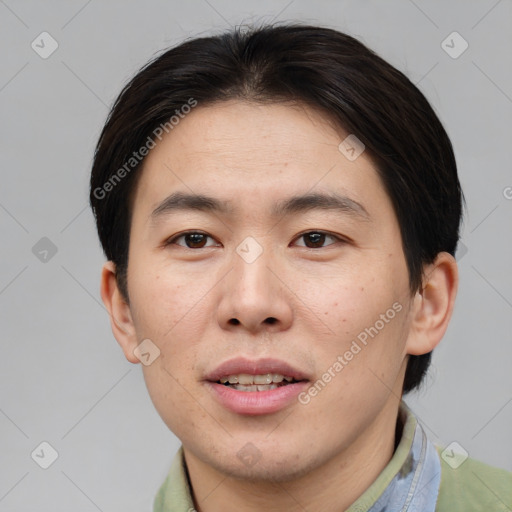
[410, 481]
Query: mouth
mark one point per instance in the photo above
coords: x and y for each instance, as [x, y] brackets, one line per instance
[256, 387]
[251, 383]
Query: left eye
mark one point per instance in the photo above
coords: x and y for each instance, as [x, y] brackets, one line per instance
[316, 238]
[197, 240]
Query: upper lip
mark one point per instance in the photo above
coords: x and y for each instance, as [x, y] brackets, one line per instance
[240, 365]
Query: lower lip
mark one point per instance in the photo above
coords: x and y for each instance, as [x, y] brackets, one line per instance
[257, 402]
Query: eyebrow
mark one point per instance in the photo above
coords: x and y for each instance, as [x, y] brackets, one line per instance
[180, 201]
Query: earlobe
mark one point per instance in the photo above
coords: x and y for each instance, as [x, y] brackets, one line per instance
[433, 305]
[119, 311]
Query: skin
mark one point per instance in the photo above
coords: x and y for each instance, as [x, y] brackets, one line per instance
[318, 456]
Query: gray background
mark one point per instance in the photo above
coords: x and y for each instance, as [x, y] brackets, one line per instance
[64, 379]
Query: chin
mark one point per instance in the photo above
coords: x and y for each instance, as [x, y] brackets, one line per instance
[266, 467]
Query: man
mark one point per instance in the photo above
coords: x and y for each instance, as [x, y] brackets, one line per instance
[280, 211]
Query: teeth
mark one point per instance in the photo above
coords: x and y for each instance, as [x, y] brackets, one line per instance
[263, 379]
[243, 378]
[258, 380]
[240, 387]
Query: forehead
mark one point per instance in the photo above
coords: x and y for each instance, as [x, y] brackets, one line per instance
[253, 155]
[234, 130]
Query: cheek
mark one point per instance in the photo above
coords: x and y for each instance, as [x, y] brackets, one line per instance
[173, 309]
[348, 303]
[167, 392]
[365, 315]
[166, 300]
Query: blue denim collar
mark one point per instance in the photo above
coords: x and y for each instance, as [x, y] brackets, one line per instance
[416, 485]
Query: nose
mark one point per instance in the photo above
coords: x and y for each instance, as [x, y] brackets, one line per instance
[255, 295]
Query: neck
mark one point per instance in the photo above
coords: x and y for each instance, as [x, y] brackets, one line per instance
[331, 487]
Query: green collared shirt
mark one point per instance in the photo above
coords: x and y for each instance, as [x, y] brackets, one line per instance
[470, 486]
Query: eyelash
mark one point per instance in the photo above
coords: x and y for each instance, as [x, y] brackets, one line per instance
[172, 241]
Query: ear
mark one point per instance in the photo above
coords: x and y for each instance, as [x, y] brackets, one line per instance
[119, 311]
[433, 305]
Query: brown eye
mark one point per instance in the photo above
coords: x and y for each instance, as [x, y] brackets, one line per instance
[316, 239]
[193, 240]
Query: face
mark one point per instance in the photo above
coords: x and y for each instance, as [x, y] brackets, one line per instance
[308, 290]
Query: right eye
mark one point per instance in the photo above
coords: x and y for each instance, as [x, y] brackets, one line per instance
[193, 240]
